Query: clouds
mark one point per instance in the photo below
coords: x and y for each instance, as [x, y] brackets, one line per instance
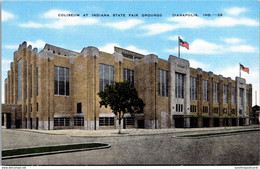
[123, 25]
[196, 22]
[200, 46]
[59, 22]
[6, 64]
[37, 44]
[233, 40]
[196, 64]
[62, 18]
[6, 16]
[174, 23]
[157, 28]
[235, 11]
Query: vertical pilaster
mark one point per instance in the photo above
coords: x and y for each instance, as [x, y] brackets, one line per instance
[210, 94]
[200, 92]
[229, 95]
[22, 53]
[11, 84]
[15, 79]
[221, 96]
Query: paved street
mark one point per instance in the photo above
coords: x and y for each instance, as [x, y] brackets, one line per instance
[140, 147]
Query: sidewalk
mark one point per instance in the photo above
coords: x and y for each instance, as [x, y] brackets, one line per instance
[134, 132]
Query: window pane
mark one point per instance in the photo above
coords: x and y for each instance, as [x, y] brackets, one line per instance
[61, 81]
[125, 74]
[111, 77]
[67, 82]
[101, 77]
[133, 77]
[163, 84]
[56, 80]
[106, 76]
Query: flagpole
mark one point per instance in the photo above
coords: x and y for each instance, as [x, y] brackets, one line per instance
[179, 46]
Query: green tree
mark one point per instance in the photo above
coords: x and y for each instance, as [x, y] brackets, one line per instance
[122, 98]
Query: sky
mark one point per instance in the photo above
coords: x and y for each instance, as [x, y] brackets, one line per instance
[221, 34]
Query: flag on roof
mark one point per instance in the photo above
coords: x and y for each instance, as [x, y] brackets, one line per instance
[245, 69]
[183, 43]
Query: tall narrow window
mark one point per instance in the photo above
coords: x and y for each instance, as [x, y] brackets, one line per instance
[129, 75]
[61, 81]
[37, 81]
[205, 90]
[215, 93]
[67, 81]
[241, 96]
[106, 76]
[193, 88]
[179, 85]
[163, 83]
[225, 92]
[19, 71]
[233, 95]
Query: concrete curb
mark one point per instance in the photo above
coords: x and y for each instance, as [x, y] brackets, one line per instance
[32, 131]
[218, 135]
[151, 134]
[55, 152]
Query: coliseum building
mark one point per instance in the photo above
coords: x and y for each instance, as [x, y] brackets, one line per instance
[57, 89]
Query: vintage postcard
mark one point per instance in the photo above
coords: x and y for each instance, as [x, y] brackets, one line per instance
[130, 83]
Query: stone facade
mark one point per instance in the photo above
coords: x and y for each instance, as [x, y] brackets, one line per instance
[41, 108]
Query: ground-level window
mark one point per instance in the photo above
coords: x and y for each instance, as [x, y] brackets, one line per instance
[205, 109]
[106, 121]
[61, 121]
[129, 121]
[179, 108]
[215, 110]
[78, 121]
[193, 108]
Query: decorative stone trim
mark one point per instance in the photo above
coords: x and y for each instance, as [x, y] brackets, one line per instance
[90, 51]
[151, 58]
[118, 57]
[106, 115]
